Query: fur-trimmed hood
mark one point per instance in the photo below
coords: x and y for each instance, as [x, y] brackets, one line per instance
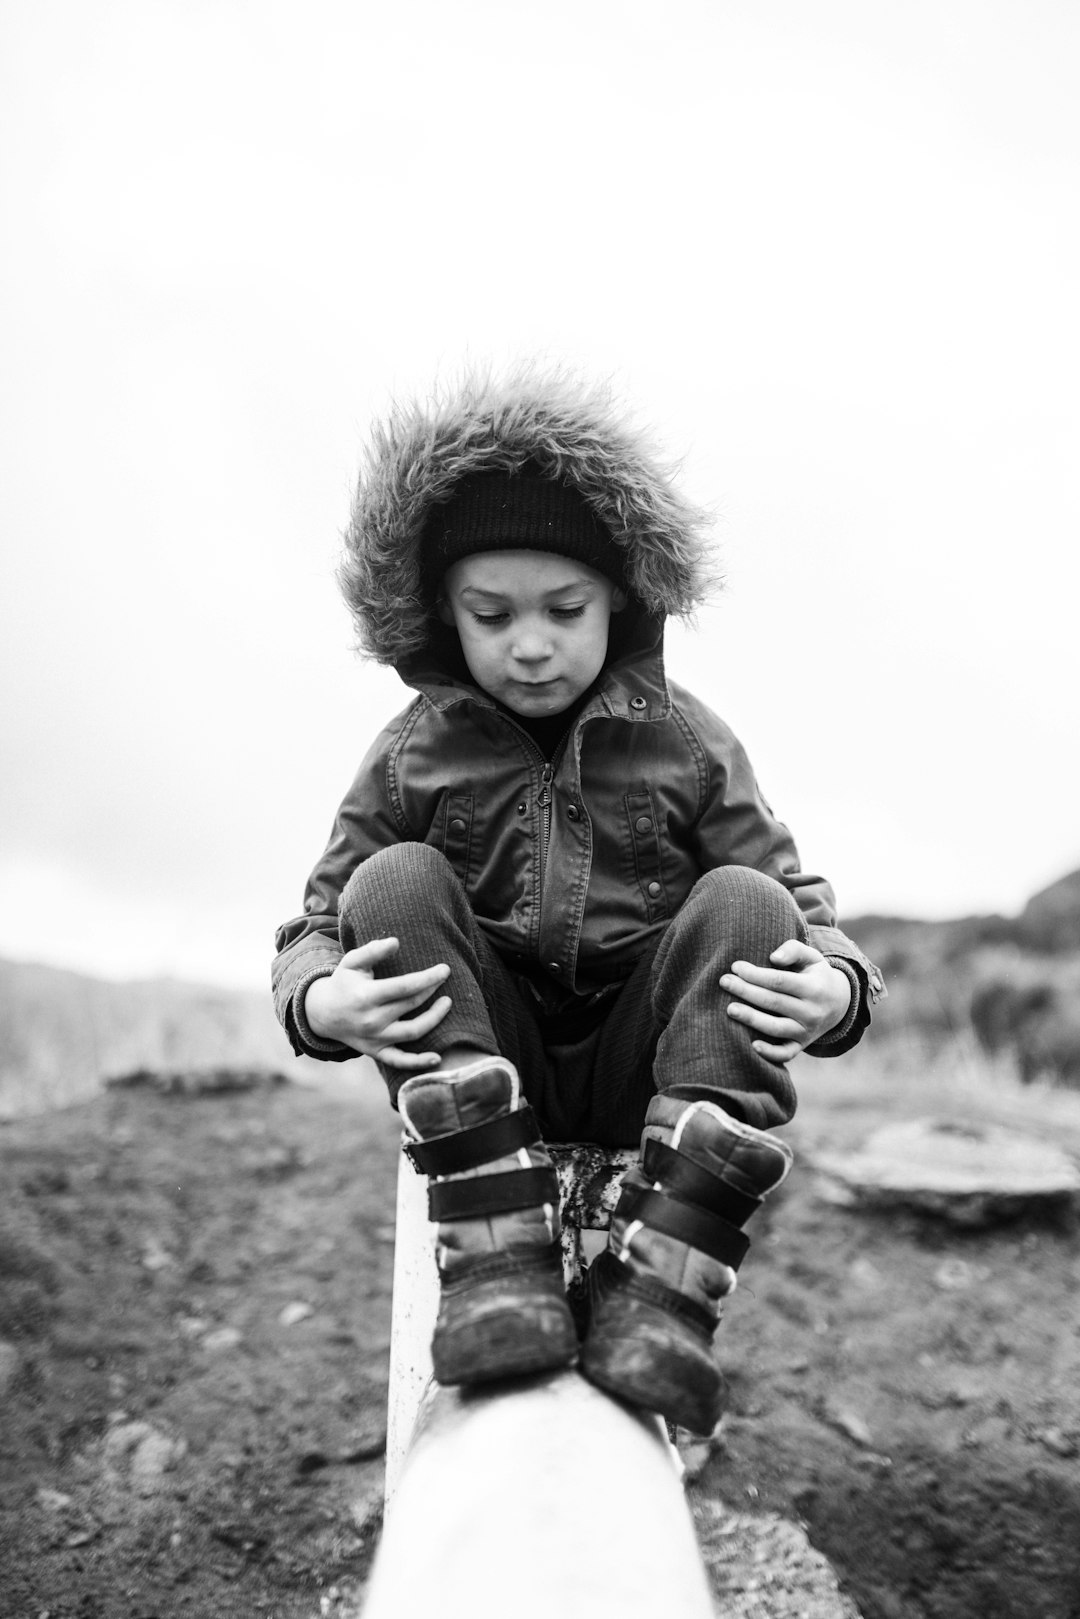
[575, 433]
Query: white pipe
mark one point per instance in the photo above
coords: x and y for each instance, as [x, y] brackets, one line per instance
[542, 1499]
[415, 1306]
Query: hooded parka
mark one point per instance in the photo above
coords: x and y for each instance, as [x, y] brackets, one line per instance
[573, 863]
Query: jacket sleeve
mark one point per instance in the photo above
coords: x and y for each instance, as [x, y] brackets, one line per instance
[308, 946]
[737, 827]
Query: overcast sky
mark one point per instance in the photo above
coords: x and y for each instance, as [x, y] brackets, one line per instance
[829, 252]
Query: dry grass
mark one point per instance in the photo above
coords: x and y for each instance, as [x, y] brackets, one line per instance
[908, 1075]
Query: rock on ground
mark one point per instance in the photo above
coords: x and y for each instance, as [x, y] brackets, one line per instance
[971, 1175]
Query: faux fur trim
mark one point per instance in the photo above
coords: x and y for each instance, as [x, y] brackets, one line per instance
[574, 431]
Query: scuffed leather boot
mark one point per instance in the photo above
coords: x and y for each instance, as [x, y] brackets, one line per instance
[495, 1195]
[672, 1254]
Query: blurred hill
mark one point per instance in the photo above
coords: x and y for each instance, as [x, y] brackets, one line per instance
[63, 1034]
[1014, 981]
[1049, 924]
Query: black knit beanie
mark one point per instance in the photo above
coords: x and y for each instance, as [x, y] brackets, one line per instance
[517, 511]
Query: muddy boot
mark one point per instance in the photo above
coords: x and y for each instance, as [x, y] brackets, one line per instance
[672, 1254]
[495, 1196]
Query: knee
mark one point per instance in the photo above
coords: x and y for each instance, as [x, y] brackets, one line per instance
[392, 876]
[732, 904]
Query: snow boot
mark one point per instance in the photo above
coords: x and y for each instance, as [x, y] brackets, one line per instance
[673, 1249]
[495, 1195]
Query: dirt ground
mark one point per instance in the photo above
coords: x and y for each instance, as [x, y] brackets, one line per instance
[194, 1330]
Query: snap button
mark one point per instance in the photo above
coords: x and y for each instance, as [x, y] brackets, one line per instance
[655, 890]
[553, 967]
[643, 823]
[457, 825]
[573, 812]
[638, 702]
[522, 808]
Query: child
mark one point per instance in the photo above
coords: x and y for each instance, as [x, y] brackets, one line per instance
[554, 902]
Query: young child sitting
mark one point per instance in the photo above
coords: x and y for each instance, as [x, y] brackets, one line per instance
[554, 902]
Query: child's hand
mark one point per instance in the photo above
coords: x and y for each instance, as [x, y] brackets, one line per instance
[368, 1013]
[792, 1003]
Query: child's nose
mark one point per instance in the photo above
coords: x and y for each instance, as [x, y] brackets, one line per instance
[532, 646]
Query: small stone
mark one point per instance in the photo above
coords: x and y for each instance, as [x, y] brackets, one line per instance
[222, 1339]
[953, 1275]
[155, 1257]
[192, 1326]
[155, 1455]
[295, 1312]
[9, 1365]
[1057, 1441]
[865, 1273]
[82, 1537]
[366, 1445]
[122, 1439]
[993, 1430]
[143, 1452]
[850, 1423]
[52, 1500]
[366, 1510]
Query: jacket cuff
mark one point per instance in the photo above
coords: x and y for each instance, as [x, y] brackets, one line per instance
[849, 1031]
[305, 1042]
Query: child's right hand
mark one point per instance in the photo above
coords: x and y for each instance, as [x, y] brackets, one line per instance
[368, 1013]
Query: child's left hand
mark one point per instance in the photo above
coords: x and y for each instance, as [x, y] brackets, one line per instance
[793, 1003]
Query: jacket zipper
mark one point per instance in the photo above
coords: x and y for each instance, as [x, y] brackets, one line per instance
[544, 797]
[547, 776]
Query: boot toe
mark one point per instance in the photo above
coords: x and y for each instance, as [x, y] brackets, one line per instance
[639, 1352]
[491, 1335]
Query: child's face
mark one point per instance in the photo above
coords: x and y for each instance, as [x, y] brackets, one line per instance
[533, 626]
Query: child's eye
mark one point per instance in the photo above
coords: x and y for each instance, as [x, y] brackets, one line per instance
[568, 612]
[490, 619]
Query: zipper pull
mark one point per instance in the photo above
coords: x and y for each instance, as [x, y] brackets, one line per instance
[546, 778]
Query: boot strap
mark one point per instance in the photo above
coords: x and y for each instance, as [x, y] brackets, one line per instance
[707, 1232]
[682, 1177]
[481, 1144]
[492, 1194]
[545, 1260]
[608, 1275]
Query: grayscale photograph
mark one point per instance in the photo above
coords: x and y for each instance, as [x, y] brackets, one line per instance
[539, 786]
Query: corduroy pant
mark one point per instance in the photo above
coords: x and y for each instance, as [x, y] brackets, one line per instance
[589, 1075]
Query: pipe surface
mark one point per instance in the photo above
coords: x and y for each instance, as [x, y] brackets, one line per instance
[544, 1499]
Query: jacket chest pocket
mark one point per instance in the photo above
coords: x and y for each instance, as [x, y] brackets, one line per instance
[457, 824]
[645, 843]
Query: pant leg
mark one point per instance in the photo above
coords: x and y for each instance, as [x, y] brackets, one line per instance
[732, 914]
[411, 892]
[668, 1028]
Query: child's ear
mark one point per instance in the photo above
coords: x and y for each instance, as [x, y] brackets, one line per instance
[444, 610]
[618, 600]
